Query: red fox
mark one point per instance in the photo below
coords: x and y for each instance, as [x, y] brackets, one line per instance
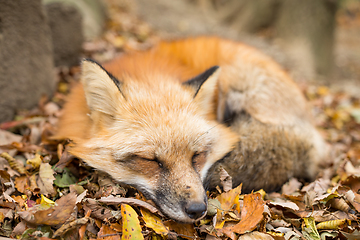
[165, 120]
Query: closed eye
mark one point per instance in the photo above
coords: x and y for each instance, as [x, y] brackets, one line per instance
[193, 159]
[152, 160]
[198, 160]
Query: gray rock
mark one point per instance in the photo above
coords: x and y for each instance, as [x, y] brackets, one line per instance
[94, 14]
[26, 61]
[65, 23]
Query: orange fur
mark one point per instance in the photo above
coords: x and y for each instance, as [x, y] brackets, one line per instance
[165, 136]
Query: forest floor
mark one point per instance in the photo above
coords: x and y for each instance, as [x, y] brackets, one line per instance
[48, 194]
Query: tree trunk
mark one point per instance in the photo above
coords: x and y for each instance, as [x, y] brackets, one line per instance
[306, 28]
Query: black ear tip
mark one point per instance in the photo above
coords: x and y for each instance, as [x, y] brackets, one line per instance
[198, 81]
[89, 60]
[214, 68]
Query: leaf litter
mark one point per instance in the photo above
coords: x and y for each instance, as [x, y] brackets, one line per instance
[46, 193]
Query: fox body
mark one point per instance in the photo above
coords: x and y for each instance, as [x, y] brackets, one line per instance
[165, 120]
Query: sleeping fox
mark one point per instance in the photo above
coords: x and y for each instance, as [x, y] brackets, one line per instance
[165, 120]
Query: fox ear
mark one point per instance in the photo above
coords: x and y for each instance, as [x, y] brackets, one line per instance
[204, 86]
[199, 80]
[102, 90]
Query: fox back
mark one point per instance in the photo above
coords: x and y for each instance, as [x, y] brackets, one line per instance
[166, 119]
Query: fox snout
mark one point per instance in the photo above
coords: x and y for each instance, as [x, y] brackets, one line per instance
[179, 195]
[179, 208]
[196, 210]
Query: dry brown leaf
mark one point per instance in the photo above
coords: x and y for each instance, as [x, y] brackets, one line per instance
[22, 183]
[225, 180]
[289, 205]
[291, 186]
[251, 213]
[106, 233]
[324, 215]
[46, 179]
[256, 236]
[7, 137]
[65, 159]
[54, 215]
[97, 211]
[71, 225]
[183, 230]
[111, 200]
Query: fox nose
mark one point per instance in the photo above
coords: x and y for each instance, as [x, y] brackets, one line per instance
[195, 210]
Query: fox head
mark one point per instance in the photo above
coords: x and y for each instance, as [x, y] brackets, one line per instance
[156, 135]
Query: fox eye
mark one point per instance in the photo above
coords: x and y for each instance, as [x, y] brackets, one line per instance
[160, 164]
[193, 159]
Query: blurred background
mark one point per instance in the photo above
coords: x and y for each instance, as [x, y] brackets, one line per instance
[317, 41]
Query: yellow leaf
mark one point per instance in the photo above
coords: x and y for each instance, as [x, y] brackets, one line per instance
[309, 229]
[323, 91]
[332, 224]
[131, 226]
[230, 200]
[46, 203]
[154, 222]
[14, 164]
[220, 219]
[35, 162]
[262, 193]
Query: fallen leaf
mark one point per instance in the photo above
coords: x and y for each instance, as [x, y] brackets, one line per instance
[65, 179]
[331, 225]
[64, 160]
[219, 219]
[35, 162]
[225, 180]
[355, 235]
[154, 222]
[251, 214]
[71, 225]
[355, 113]
[46, 179]
[130, 222]
[230, 200]
[183, 230]
[289, 205]
[256, 235]
[111, 200]
[106, 233]
[291, 186]
[213, 206]
[14, 164]
[22, 183]
[45, 203]
[340, 204]
[55, 215]
[97, 211]
[309, 229]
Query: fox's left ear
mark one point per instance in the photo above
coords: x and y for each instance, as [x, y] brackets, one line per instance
[102, 90]
[204, 87]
